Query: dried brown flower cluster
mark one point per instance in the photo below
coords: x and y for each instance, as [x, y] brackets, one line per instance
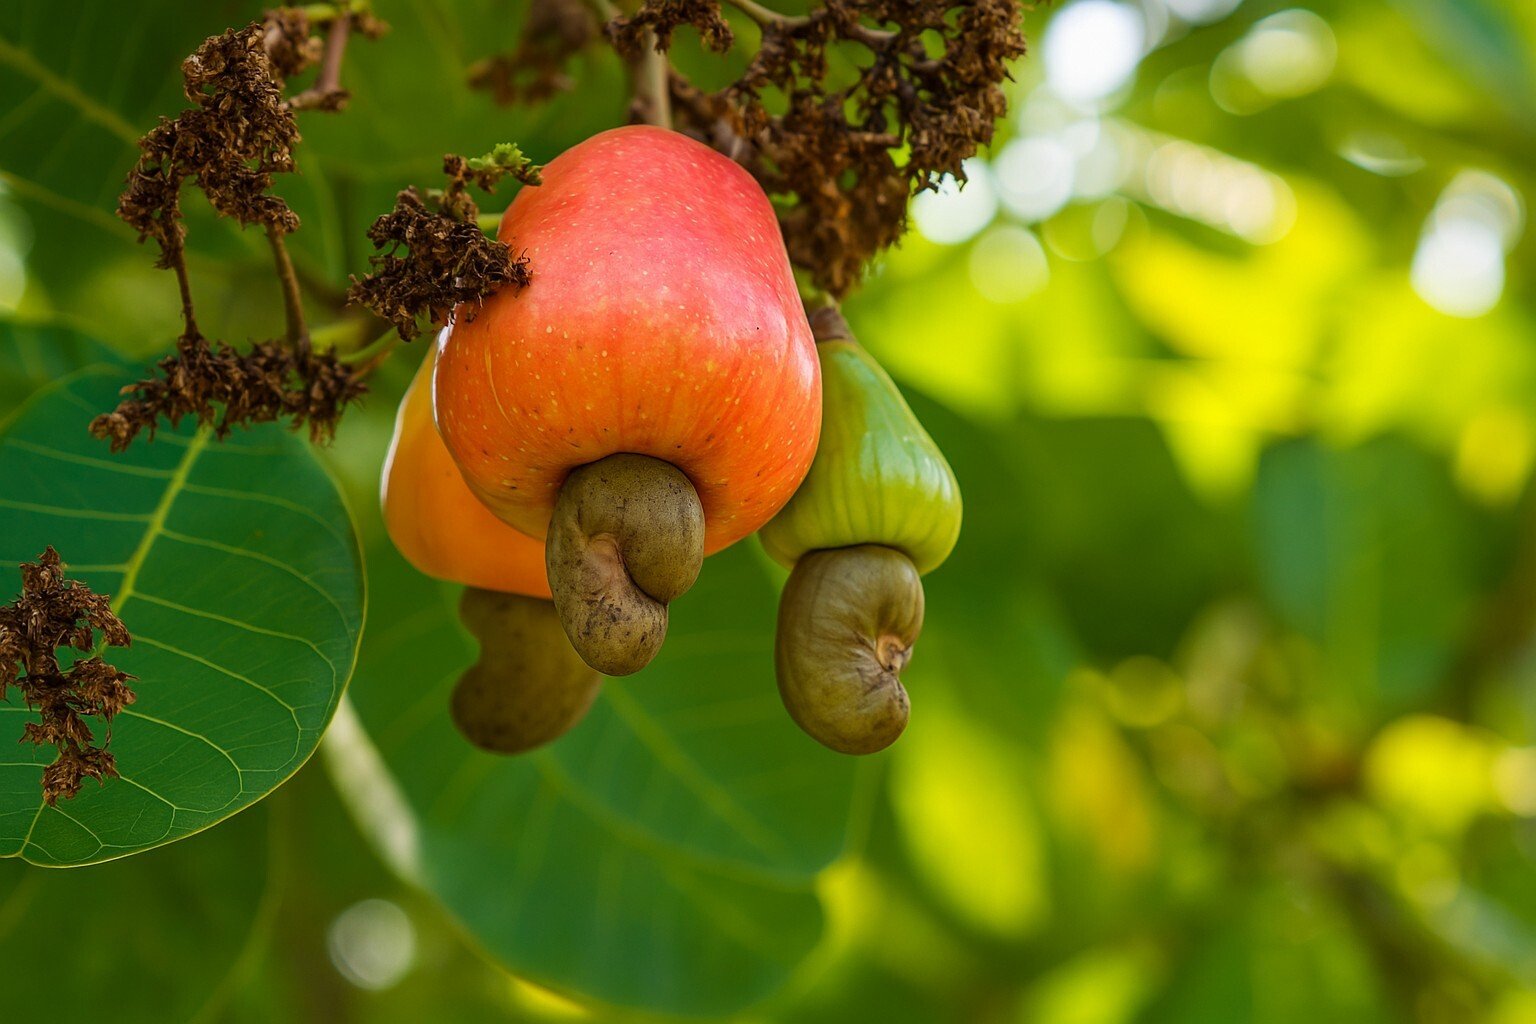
[230, 144]
[433, 255]
[216, 385]
[238, 135]
[927, 94]
[289, 39]
[52, 613]
[553, 32]
[918, 91]
[663, 17]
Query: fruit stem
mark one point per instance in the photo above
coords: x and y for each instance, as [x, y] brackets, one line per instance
[828, 324]
[342, 334]
[373, 353]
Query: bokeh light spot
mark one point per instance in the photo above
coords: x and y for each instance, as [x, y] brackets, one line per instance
[1091, 49]
[956, 213]
[373, 944]
[1034, 177]
[1008, 265]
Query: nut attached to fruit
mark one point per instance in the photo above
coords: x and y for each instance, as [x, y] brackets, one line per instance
[879, 507]
[529, 686]
[662, 322]
[848, 619]
[627, 537]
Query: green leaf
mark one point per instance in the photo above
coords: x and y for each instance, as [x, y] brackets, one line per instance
[32, 355]
[1246, 964]
[234, 567]
[661, 855]
[1129, 551]
[995, 637]
[1372, 554]
[1483, 37]
[90, 927]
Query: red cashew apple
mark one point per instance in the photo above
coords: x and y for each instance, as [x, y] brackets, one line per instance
[652, 396]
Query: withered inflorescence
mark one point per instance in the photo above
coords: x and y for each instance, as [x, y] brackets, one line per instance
[218, 386]
[433, 255]
[844, 151]
[664, 17]
[842, 145]
[239, 134]
[52, 613]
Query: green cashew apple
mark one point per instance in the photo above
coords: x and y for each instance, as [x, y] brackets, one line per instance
[879, 508]
[877, 478]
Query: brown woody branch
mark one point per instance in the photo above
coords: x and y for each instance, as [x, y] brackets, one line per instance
[288, 280]
[178, 263]
[327, 93]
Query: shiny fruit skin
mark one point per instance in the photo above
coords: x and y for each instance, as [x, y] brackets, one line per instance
[436, 522]
[878, 477]
[662, 319]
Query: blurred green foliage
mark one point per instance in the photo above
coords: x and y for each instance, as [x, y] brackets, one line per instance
[1224, 708]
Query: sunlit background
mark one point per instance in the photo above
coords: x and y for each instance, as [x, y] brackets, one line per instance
[1225, 712]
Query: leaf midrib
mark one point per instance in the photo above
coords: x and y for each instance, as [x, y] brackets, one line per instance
[156, 527]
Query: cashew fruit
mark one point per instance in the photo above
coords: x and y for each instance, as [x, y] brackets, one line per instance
[662, 320]
[528, 685]
[434, 519]
[879, 507]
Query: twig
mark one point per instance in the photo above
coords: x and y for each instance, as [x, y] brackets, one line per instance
[874, 38]
[327, 92]
[765, 17]
[372, 354]
[651, 83]
[344, 335]
[649, 72]
[188, 320]
[293, 303]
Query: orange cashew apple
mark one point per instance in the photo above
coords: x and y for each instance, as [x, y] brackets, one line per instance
[529, 686]
[651, 397]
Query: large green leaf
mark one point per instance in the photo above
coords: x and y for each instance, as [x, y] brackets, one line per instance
[660, 855]
[34, 354]
[234, 566]
[1371, 553]
[164, 937]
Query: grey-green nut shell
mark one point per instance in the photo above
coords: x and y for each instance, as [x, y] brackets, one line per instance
[848, 618]
[626, 537]
[529, 685]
